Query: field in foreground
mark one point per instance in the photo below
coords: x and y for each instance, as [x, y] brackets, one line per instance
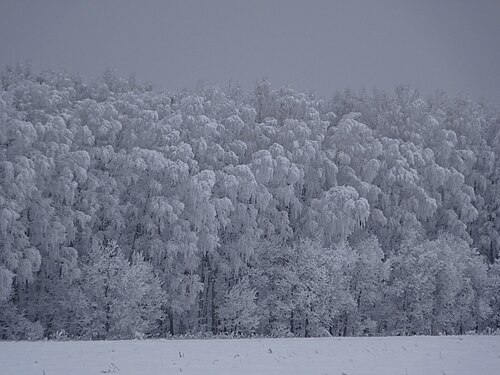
[450, 355]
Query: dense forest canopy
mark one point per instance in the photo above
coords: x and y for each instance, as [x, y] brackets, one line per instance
[130, 212]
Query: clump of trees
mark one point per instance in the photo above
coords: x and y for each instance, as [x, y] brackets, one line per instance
[129, 212]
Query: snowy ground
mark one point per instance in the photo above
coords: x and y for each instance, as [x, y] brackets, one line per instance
[468, 355]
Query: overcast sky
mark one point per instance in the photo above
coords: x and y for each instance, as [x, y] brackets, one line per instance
[320, 46]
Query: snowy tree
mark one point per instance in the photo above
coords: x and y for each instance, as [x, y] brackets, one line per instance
[370, 274]
[238, 314]
[340, 212]
[123, 298]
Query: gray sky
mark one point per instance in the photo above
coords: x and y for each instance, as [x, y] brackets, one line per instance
[319, 46]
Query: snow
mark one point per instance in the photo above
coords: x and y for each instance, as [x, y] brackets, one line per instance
[456, 355]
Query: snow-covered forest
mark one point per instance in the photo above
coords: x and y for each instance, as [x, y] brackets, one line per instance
[128, 212]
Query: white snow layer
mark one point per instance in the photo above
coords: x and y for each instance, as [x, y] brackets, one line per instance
[451, 355]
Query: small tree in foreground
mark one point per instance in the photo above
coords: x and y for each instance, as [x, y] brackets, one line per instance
[124, 299]
[238, 313]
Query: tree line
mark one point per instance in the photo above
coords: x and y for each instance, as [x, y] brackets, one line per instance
[127, 211]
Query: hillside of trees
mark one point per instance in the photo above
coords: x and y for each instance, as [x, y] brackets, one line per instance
[126, 211]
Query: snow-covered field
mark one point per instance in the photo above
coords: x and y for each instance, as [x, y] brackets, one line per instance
[468, 355]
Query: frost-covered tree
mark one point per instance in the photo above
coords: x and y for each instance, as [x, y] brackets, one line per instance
[239, 313]
[123, 299]
[494, 274]
[369, 282]
[438, 286]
